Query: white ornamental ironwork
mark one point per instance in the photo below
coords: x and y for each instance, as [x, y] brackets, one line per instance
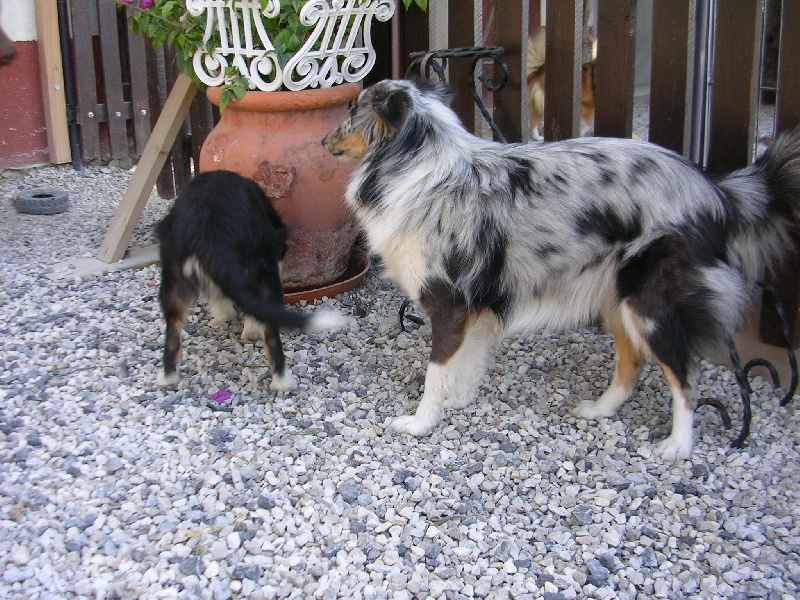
[338, 48]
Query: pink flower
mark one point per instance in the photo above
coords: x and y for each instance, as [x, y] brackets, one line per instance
[143, 4]
[220, 396]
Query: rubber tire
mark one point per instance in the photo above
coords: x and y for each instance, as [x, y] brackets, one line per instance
[41, 201]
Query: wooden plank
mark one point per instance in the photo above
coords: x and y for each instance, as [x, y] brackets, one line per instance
[140, 97]
[670, 73]
[52, 76]
[786, 279]
[85, 74]
[734, 93]
[511, 32]
[562, 94]
[413, 35]
[788, 97]
[616, 42]
[144, 177]
[461, 33]
[112, 78]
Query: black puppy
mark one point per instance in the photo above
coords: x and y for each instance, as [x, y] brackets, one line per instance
[224, 237]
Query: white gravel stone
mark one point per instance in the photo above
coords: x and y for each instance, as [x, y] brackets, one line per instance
[113, 487]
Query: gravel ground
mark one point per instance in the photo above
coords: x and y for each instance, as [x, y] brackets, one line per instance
[111, 487]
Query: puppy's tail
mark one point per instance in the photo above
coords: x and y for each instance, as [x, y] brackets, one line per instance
[536, 53]
[766, 200]
[233, 282]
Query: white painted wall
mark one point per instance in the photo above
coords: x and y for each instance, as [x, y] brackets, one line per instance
[18, 20]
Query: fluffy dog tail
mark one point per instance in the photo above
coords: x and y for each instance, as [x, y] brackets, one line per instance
[536, 53]
[233, 281]
[766, 203]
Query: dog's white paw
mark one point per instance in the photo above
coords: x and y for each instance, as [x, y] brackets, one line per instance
[164, 380]
[591, 411]
[458, 401]
[283, 383]
[410, 424]
[674, 448]
[222, 310]
[252, 330]
[325, 320]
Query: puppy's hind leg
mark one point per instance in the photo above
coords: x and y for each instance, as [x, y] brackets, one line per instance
[628, 367]
[221, 308]
[176, 295]
[282, 378]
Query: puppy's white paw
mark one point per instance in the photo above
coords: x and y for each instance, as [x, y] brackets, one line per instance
[674, 448]
[222, 310]
[164, 380]
[410, 424]
[325, 320]
[283, 383]
[591, 411]
[253, 330]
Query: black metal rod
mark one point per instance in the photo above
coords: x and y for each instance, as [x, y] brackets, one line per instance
[436, 61]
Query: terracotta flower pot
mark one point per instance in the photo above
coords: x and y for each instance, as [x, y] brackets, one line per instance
[275, 139]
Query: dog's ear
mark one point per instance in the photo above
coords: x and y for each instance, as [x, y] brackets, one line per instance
[392, 106]
[439, 89]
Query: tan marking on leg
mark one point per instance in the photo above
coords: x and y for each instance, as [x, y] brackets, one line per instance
[679, 443]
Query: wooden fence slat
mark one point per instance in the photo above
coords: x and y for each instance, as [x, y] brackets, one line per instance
[734, 93]
[140, 100]
[180, 154]
[788, 97]
[562, 94]
[670, 73]
[86, 76]
[460, 33]
[414, 35]
[511, 32]
[144, 177]
[52, 75]
[616, 36]
[201, 119]
[786, 279]
[112, 78]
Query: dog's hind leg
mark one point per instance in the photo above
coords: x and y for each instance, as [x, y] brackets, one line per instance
[282, 378]
[252, 330]
[176, 295]
[628, 367]
[221, 307]
[679, 443]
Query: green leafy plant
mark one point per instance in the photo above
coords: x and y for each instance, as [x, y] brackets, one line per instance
[167, 22]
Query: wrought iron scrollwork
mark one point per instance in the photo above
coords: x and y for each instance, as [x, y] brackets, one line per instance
[743, 373]
[425, 64]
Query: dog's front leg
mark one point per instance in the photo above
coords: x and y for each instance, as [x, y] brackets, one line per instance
[449, 322]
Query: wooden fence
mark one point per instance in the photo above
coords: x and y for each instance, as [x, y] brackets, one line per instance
[704, 110]
[121, 85]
